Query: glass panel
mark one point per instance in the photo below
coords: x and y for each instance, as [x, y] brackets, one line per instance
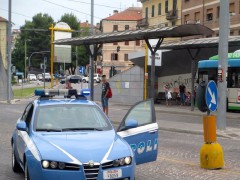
[70, 116]
[141, 113]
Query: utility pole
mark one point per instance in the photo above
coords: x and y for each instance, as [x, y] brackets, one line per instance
[222, 63]
[9, 38]
[91, 58]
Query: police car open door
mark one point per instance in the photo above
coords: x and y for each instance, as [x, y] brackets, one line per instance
[140, 130]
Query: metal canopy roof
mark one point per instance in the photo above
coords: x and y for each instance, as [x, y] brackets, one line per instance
[200, 43]
[166, 32]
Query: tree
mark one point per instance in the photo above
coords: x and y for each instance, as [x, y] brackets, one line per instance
[36, 34]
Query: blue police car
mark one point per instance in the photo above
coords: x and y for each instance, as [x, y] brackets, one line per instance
[71, 138]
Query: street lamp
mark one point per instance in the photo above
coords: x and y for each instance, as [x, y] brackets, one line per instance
[25, 59]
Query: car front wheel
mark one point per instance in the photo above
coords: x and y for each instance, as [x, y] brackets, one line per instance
[26, 174]
[15, 165]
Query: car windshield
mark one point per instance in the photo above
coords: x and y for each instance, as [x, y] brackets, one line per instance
[70, 117]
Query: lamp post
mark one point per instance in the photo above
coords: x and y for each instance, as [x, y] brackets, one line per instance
[25, 59]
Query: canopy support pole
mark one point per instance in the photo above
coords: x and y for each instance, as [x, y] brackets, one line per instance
[93, 53]
[193, 72]
[153, 54]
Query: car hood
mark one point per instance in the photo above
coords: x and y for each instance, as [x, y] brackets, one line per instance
[81, 147]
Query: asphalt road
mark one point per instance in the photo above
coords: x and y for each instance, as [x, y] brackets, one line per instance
[178, 156]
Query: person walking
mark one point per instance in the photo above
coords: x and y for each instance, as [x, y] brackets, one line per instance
[105, 90]
[167, 92]
[182, 90]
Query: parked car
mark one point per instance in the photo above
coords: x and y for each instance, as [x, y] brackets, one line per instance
[72, 78]
[31, 77]
[97, 78]
[71, 138]
[85, 79]
[47, 77]
[40, 77]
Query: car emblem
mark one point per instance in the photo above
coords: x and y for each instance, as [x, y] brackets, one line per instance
[91, 163]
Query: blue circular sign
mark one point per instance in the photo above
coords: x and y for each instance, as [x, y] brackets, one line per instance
[211, 96]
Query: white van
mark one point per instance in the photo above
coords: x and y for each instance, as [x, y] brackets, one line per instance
[31, 77]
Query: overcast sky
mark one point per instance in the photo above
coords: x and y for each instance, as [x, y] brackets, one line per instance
[24, 9]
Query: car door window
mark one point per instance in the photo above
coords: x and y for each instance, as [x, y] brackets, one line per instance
[27, 115]
[142, 112]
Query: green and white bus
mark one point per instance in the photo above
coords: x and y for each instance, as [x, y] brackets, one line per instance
[208, 70]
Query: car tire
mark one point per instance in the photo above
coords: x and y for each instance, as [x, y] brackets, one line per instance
[15, 165]
[26, 174]
[84, 81]
[95, 81]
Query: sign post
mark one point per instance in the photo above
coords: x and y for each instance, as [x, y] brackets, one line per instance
[211, 153]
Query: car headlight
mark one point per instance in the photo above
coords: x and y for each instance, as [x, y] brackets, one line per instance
[54, 165]
[45, 164]
[122, 162]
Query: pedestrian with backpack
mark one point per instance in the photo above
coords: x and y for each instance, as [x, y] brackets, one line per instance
[106, 94]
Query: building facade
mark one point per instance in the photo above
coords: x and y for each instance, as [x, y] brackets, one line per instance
[3, 41]
[207, 13]
[160, 13]
[116, 54]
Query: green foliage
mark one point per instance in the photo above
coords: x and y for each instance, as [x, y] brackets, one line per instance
[35, 40]
[39, 40]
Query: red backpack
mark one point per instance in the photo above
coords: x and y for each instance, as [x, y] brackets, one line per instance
[109, 95]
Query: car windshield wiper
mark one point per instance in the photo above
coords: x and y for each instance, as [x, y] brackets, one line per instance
[48, 130]
[81, 129]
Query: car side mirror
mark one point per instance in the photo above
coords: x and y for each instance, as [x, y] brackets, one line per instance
[21, 126]
[131, 123]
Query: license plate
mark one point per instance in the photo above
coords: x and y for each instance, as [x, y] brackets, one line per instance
[112, 174]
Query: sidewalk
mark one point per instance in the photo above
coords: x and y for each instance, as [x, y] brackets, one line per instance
[186, 127]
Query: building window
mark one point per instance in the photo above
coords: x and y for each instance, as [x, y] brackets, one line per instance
[146, 15]
[166, 24]
[126, 43]
[115, 28]
[231, 8]
[186, 19]
[159, 9]
[197, 17]
[209, 14]
[218, 12]
[174, 4]
[153, 8]
[125, 57]
[126, 27]
[137, 42]
[239, 32]
[115, 43]
[231, 33]
[114, 57]
[173, 23]
[166, 6]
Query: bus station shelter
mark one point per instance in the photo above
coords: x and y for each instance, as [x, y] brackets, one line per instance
[193, 47]
[146, 34]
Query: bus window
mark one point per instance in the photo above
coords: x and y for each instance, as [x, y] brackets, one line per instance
[233, 79]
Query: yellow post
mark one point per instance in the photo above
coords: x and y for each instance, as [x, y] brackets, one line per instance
[145, 72]
[52, 53]
[211, 153]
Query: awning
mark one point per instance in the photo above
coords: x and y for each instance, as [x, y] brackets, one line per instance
[156, 33]
[200, 43]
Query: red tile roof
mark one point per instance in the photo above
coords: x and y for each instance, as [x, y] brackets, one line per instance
[84, 24]
[3, 20]
[130, 14]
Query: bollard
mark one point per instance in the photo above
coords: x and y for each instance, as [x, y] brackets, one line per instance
[209, 129]
[211, 153]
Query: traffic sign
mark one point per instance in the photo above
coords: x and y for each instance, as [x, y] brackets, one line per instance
[81, 69]
[211, 96]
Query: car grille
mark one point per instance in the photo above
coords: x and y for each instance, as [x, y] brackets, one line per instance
[107, 165]
[91, 173]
